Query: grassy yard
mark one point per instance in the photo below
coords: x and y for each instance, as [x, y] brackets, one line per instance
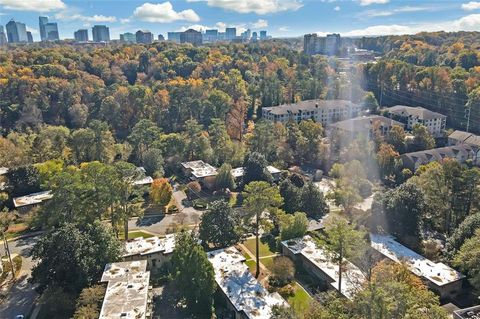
[16, 230]
[300, 300]
[136, 234]
[17, 262]
[264, 248]
[268, 262]
[252, 265]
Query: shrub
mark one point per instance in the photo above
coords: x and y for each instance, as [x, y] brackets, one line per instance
[283, 271]
[287, 291]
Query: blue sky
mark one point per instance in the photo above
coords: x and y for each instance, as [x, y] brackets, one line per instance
[279, 17]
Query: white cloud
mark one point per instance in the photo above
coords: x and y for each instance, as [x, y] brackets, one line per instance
[260, 23]
[284, 29]
[386, 13]
[126, 20]
[467, 23]
[69, 16]
[33, 5]
[369, 2]
[256, 6]
[163, 13]
[470, 6]
[337, 8]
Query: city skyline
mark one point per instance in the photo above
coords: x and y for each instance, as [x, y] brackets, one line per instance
[281, 18]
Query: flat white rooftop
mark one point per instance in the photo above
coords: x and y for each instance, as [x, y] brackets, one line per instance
[438, 273]
[352, 277]
[144, 181]
[200, 168]
[240, 171]
[127, 290]
[3, 170]
[145, 246]
[245, 293]
[32, 199]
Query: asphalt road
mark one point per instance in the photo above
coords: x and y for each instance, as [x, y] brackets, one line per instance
[164, 224]
[21, 297]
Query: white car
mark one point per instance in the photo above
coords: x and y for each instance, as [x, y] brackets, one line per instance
[19, 317]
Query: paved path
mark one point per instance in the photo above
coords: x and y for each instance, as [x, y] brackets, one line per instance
[21, 296]
[164, 224]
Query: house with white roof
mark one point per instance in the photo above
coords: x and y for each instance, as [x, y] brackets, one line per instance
[238, 172]
[316, 261]
[24, 203]
[201, 172]
[128, 292]
[247, 298]
[447, 282]
[154, 250]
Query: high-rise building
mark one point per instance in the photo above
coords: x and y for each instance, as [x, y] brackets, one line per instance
[101, 33]
[3, 37]
[254, 37]
[128, 37]
[246, 34]
[51, 31]
[16, 32]
[263, 35]
[191, 36]
[48, 30]
[29, 37]
[161, 37]
[42, 21]
[332, 44]
[81, 35]
[210, 36]
[313, 44]
[144, 36]
[174, 36]
[230, 34]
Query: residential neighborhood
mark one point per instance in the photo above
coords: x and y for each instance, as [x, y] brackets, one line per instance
[223, 172]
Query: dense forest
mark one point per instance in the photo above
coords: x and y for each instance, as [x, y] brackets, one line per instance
[439, 71]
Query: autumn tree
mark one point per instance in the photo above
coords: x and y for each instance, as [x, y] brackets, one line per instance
[161, 191]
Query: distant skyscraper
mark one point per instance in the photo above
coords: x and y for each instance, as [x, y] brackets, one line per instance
[42, 21]
[48, 30]
[211, 36]
[191, 36]
[174, 36]
[263, 35]
[332, 44]
[254, 36]
[3, 37]
[16, 32]
[128, 37]
[29, 37]
[51, 31]
[161, 37]
[101, 33]
[144, 36]
[313, 44]
[246, 35]
[230, 33]
[81, 35]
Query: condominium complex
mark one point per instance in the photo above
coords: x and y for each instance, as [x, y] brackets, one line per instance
[433, 121]
[321, 111]
[329, 45]
[48, 30]
[144, 36]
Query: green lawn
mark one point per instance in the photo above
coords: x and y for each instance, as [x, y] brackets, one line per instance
[265, 249]
[300, 300]
[252, 265]
[138, 233]
[268, 262]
